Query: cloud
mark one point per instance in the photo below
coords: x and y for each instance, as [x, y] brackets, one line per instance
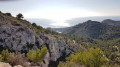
[42, 22]
[8, 0]
[60, 24]
[49, 23]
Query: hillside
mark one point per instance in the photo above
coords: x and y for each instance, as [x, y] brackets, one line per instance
[20, 35]
[94, 34]
[111, 22]
[97, 30]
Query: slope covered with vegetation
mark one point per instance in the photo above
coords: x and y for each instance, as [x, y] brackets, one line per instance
[96, 30]
[93, 34]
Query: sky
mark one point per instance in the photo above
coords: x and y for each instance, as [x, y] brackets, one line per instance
[59, 11]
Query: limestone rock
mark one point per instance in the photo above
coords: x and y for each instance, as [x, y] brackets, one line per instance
[18, 66]
[2, 64]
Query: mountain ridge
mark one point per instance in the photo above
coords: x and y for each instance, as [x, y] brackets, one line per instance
[108, 29]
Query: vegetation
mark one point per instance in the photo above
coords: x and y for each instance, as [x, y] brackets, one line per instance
[13, 58]
[90, 58]
[96, 30]
[36, 57]
[5, 55]
[110, 48]
[14, 23]
[19, 16]
[16, 58]
[41, 29]
[8, 14]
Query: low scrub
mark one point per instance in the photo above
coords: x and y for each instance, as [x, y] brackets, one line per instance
[13, 58]
[16, 58]
[15, 23]
[37, 57]
[90, 58]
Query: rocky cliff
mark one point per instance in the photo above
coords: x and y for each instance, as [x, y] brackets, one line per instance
[21, 35]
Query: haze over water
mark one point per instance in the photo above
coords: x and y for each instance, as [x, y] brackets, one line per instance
[55, 13]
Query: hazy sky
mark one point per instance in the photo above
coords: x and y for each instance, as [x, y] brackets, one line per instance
[59, 11]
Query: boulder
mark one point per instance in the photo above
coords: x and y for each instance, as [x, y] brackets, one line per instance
[18, 66]
[2, 64]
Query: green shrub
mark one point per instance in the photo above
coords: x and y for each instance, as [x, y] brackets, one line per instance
[13, 58]
[90, 58]
[19, 16]
[34, 24]
[36, 57]
[1, 58]
[8, 14]
[61, 64]
[5, 54]
[24, 47]
[37, 26]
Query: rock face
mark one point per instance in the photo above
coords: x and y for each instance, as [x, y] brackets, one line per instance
[2, 64]
[20, 35]
[18, 66]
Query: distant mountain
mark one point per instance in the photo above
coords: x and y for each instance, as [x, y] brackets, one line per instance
[111, 22]
[78, 20]
[95, 29]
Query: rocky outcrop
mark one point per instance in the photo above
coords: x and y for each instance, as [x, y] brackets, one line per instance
[2, 64]
[18, 66]
[20, 35]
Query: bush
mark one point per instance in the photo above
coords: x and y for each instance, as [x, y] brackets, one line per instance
[1, 58]
[19, 16]
[38, 27]
[17, 59]
[34, 24]
[36, 57]
[24, 47]
[8, 14]
[5, 54]
[90, 58]
[13, 58]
